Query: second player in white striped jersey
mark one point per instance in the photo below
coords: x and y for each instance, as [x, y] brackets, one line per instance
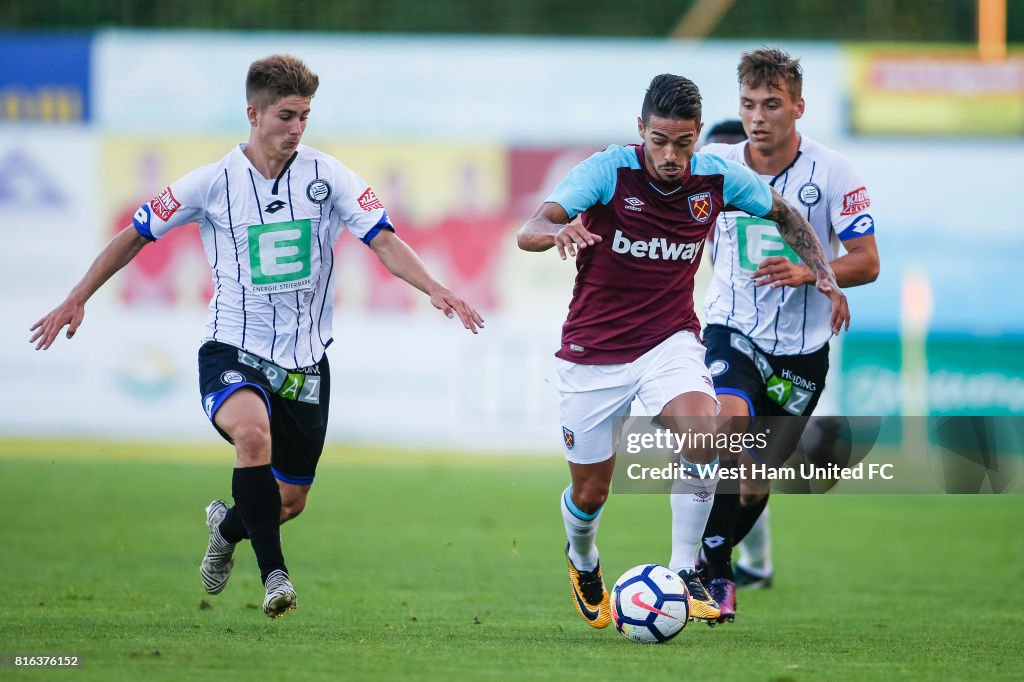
[784, 320]
[269, 214]
[269, 242]
[767, 333]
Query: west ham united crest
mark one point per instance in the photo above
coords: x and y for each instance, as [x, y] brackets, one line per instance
[569, 438]
[700, 206]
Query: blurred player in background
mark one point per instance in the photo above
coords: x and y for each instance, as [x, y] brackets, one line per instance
[631, 330]
[725, 132]
[768, 329]
[269, 214]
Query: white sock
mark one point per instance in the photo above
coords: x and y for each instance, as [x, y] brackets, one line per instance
[756, 548]
[581, 529]
[691, 501]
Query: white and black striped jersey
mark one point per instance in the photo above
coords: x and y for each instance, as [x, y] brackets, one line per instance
[787, 320]
[269, 243]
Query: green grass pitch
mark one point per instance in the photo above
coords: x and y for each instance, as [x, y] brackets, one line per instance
[434, 566]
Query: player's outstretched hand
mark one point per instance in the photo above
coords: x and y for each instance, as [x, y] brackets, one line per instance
[574, 237]
[450, 304]
[68, 314]
[840, 318]
[779, 271]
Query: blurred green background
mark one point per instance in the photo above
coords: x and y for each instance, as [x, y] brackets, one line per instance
[855, 20]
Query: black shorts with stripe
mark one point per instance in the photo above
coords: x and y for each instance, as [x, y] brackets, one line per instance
[772, 385]
[781, 391]
[297, 402]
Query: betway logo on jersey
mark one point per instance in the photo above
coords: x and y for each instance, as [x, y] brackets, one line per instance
[856, 201]
[656, 248]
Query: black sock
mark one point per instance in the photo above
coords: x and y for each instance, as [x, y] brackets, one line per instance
[232, 528]
[717, 542]
[258, 501]
[746, 518]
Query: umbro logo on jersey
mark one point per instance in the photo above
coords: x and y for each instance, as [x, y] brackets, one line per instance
[657, 248]
[634, 204]
[274, 206]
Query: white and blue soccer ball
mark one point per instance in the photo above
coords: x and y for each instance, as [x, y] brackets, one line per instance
[650, 604]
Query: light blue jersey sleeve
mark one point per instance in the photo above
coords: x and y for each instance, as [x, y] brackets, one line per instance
[742, 188]
[593, 181]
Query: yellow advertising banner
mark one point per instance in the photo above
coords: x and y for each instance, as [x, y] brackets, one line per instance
[934, 91]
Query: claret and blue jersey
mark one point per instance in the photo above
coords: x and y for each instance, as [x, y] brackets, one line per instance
[635, 288]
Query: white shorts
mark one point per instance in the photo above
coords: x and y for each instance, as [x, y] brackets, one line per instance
[594, 399]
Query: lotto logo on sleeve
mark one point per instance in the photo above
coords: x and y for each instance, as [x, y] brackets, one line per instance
[856, 201]
[164, 205]
[861, 227]
[368, 201]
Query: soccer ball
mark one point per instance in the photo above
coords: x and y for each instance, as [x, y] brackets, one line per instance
[650, 604]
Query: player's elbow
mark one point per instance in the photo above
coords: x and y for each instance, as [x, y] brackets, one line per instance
[871, 270]
[526, 241]
[865, 271]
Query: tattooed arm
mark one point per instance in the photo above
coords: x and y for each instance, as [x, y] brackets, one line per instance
[798, 233]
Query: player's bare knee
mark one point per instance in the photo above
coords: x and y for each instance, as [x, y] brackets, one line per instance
[252, 443]
[590, 496]
[292, 509]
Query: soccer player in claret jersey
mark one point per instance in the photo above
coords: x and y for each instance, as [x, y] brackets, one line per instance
[768, 329]
[631, 330]
[269, 214]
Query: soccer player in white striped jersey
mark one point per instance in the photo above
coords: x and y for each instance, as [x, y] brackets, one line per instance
[269, 213]
[768, 329]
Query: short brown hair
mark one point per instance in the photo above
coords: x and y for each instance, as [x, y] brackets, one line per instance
[771, 66]
[278, 76]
